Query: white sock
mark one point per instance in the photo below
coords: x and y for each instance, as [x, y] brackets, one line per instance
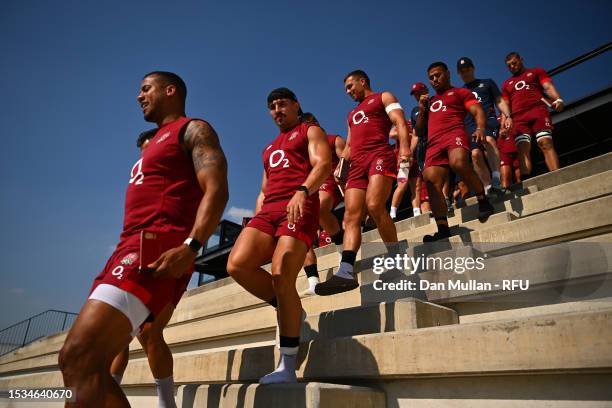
[486, 189]
[285, 371]
[165, 392]
[393, 212]
[312, 282]
[117, 378]
[345, 271]
[416, 211]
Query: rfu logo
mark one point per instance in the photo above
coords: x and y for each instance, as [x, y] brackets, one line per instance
[163, 137]
[129, 259]
[451, 93]
[529, 74]
[379, 162]
[481, 85]
[371, 101]
[458, 141]
[359, 117]
[293, 136]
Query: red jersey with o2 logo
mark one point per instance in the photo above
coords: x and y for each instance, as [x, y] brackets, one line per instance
[447, 112]
[369, 125]
[287, 165]
[163, 192]
[525, 91]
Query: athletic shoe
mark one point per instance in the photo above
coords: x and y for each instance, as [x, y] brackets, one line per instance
[485, 210]
[334, 285]
[435, 237]
[496, 192]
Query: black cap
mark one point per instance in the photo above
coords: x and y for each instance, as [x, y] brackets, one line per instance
[281, 93]
[464, 62]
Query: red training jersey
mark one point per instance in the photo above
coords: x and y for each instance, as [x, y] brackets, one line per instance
[447, 112]
[369, 125]
[163, 192]
[525, 91]
[287, 165]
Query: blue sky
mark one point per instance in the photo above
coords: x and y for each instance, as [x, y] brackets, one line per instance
[70, 73]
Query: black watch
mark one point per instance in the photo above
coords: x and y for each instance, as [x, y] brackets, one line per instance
[304, 189]
[194, 244]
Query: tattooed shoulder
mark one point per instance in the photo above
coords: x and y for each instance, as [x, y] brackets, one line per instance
[203, 143]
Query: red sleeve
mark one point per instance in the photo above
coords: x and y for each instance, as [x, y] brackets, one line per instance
[542, 76]
[467, 97]
[505, 94]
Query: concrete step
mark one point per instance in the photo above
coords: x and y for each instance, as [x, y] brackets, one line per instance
[582, 343]
[237, 330]
[307, 395]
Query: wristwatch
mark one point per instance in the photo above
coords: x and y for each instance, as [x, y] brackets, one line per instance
[194, 244]
[304, 189]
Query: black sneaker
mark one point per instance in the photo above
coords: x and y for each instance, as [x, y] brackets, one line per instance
[436, 237]
[496, 192]
[485, 210]
[334, 285]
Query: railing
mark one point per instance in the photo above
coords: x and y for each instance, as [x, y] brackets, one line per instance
[34, 328]
[580, 59]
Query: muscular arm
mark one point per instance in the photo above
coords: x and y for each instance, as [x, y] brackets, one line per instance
[481, 121]
[339, 144]
[319, 155]
[397, 118]
[551, 90]
[346, 152]
[261, 197]
[413, 142]
[210, 166]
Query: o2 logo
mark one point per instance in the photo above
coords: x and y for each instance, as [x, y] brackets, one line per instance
[291, 226]
[118, 272]
[359, 117]
[437, 105]
[477, 97]
[277, 157]
[136, 175]
[521, 85]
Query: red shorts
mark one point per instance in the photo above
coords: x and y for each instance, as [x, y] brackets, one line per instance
[272, 220]
[329, 186]
[369, 164]
[439, 148]
[324, 238]
[535, 122]
[507, 158]
[122, 271]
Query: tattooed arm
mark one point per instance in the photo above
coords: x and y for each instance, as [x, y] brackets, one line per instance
[202, 143]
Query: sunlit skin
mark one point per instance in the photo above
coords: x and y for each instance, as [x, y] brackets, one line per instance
[515, 65]
[156, 99]
[284, 112]
[356, 88]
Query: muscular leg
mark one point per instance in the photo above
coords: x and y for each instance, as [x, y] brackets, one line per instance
[286, 263]
[493, 159]
[252, 249]
[524, 157]
[98, 334]
[550, 154]
[327, 219]
[119, 364]
[435, 177]
[458, 160]
[152, 340]
[398, 194]
[415, 190]
[354, 203]
[379, 188]
[506, 175]
[480, 166]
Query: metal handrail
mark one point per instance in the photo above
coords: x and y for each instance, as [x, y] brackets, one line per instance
[580, 59]
[31, 329]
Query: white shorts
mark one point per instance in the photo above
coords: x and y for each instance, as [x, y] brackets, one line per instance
[125, 302]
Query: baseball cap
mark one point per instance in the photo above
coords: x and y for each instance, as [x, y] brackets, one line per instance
[281, 93]
[464, 62]
[418, 87]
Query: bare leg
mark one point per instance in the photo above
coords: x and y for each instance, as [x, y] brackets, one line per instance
[252, 249]
[550, 154]
[524, 157]
[379, 188]
[327, 219]
[152, 340]
[99, 333]
[354, 202]
[506, 175]
[398, 195]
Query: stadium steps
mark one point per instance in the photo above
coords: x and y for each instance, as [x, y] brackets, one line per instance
[507, 352]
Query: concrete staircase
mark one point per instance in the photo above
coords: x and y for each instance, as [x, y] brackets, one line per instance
[550, 345]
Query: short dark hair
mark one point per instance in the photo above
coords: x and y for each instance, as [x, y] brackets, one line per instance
[512, 54]
[309, 118]
[358, 73]
[170, 78]
[281, 93]
[144, 136]
[437, 64]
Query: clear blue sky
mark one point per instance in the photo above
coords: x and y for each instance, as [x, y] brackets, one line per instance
[70, 73]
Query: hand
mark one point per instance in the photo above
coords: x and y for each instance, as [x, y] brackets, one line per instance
[295, 208]
[340, 178]
[405, 161]
[558, 105]
[508, 123]
[424, 102]
[173, 263]
[503, 131]
[478, 135]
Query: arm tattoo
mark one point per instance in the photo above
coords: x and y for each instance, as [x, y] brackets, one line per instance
[203, 142]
